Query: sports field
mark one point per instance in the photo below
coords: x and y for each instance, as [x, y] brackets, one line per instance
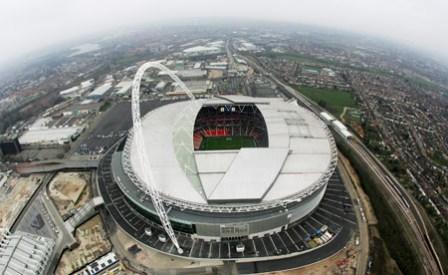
[227, 143]
[331, 99]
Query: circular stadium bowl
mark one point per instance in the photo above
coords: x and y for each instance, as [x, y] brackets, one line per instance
[230, 166]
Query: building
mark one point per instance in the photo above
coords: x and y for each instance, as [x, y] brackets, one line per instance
[189, 74]
[42, 133]
[23, 253]
[82, 108]
[48, 137]
[240, 178]
[123, 88]
[100, 91]
[196, 87]
[10, 146]
[71, 92]
[202, 51]
[160, 86]
[103, 263]
[87, 84]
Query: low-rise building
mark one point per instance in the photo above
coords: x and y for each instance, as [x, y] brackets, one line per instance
[24, 253]
[71, 92]
[10, 146]
[100, 91]
[123, 87]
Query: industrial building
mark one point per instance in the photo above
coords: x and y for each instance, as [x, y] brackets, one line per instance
[10, 146]
[23, 253]
[71, 92]
[123, 88]
[202, 51]
[100, 91]
[44, 133]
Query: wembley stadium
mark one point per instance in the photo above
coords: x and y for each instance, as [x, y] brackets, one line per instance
[229, 177]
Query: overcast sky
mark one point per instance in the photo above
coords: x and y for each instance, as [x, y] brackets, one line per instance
[26, 25]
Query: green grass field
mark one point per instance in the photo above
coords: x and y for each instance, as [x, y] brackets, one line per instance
[331, 99]
[226, 143]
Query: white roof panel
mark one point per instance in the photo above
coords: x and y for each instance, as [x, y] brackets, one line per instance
[306, 163]
[278, 141]
[287, 184]
[309, 145]
[251, 175]
[210, 182]
[213, 162]
[158, 128]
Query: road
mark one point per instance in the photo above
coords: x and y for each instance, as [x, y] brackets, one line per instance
[407, 207]
[46, 179]
[361, 267]
[230, 56]
[55, 165]
[63, 238]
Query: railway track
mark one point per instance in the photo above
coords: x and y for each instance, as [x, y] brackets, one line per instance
[430, 259]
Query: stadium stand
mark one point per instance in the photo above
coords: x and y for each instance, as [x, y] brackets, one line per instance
[240, 126]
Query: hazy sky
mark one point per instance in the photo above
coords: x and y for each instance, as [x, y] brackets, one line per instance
[26, 25]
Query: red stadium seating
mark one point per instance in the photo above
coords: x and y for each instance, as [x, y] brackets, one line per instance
[212, 123]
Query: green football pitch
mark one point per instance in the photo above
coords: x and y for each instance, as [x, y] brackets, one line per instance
[227, 143]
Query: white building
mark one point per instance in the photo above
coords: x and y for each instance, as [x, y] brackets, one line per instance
[201, 50]
[87, 84]
[123, 87]
[71, 92]
[39, 133]
[100, 91]
[24, 253]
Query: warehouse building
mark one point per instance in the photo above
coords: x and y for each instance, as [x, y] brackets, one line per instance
[24, 253]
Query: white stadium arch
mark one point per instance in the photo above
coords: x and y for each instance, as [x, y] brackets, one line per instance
[148, 177]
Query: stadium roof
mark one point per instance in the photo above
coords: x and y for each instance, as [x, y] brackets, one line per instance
[299, 154]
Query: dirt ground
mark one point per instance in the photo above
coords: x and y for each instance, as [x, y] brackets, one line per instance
[377, 249]
[340, 263]
[69, 191]
[368, 210]
[92, 242]
[13, 196]
[358, 129]
[151, 258]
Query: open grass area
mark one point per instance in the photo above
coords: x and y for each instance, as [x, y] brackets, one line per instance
[301, 58]
[324, 62]
[331, 99]
[227, 143]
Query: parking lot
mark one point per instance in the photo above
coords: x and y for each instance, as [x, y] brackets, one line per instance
[110, 126]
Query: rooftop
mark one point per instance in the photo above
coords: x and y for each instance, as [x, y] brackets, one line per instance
[48, 135]
[299, 155]
[23, 253]
[123, 87]
[101, 90]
